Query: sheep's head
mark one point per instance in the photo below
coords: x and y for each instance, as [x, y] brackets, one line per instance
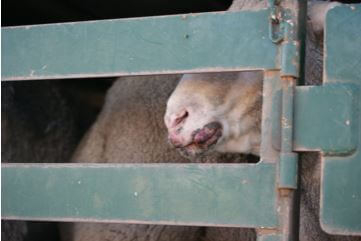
[215, 112]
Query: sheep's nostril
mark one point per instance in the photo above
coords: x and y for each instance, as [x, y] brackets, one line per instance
[180, 118]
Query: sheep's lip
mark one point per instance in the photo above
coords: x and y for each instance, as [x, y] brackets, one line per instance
[203, 139]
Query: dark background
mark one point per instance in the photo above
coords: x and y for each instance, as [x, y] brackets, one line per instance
[25, 12]
[44, 11]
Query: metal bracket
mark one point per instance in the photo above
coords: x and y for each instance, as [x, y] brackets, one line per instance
[325, 119]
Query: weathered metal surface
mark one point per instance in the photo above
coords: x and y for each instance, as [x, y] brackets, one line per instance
[325, 118]
[340, 189]
[290, 65]
[286, 119]
[290, 21]
[342, 52]
[271, 86]
[271, 237]
[210, 42]
[288, 170]
[240, 195]
[288, 165]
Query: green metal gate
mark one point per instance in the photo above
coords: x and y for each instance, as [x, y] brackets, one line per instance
[295, 118]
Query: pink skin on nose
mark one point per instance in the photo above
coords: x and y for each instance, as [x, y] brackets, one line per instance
[175, 119]
[174, 124]
[176, 140]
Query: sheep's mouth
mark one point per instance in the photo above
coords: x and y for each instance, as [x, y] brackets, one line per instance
[203, 139]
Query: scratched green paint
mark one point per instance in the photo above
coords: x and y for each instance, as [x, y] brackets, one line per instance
[240, 195]
[341, 190]
[153, 45]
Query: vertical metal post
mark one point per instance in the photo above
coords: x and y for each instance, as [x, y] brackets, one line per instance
[288, 165]
[291, 19]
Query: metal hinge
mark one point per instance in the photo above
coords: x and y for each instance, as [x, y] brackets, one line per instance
[282, 29]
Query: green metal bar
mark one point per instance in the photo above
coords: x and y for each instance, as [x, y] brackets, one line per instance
[290, 58]
[287, 116]
[270, 116]
[211, 42]
[290, 72]
[290, 63]
[239, 195]
[340, 211]
[288, 170]
[324, 118]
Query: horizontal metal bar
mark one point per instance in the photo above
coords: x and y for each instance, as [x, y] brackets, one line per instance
[240, 195]
[209, 42]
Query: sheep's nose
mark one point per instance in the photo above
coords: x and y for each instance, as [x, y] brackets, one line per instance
[175, 140]
[177, 119]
